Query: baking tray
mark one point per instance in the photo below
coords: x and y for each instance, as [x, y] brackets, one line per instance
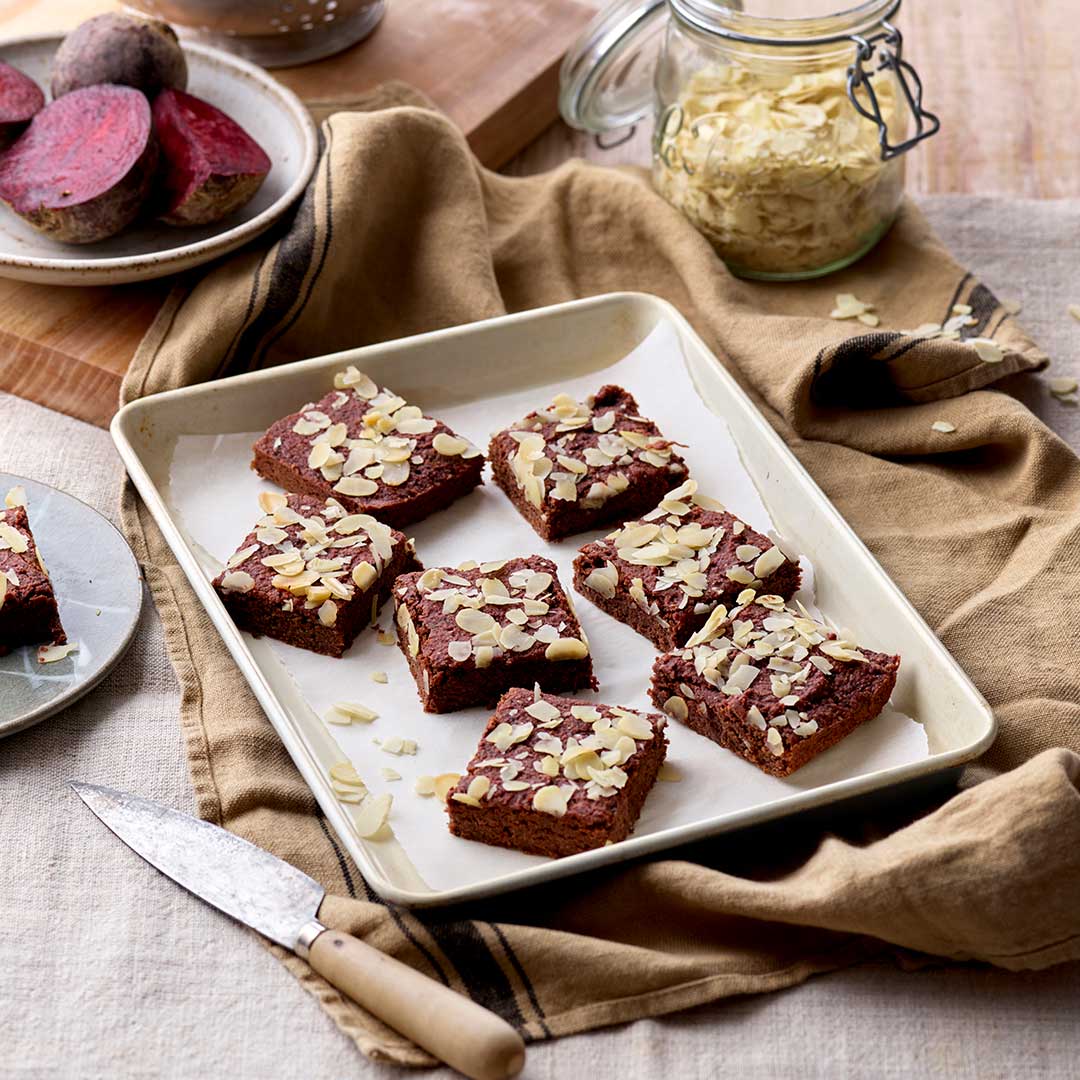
[491, 360]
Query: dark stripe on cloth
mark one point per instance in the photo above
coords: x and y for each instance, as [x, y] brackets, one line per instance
[329, 232]
[484, 980]
[376, 899]
[955, 298]
[294, 257]
[523, 976]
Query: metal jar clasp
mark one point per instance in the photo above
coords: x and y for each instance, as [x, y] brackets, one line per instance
[888, 45]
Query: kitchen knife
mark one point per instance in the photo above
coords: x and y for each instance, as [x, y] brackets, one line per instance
[281, 903]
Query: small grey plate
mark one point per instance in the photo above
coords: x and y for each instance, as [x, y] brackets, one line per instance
[99, 589]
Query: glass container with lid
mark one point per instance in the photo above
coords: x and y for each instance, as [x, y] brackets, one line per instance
[780, 125]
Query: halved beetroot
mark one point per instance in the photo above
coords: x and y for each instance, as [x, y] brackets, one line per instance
[83, 168]
[211, 165]
[20, 99]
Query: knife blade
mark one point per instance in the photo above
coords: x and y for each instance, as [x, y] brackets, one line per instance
[282, 903]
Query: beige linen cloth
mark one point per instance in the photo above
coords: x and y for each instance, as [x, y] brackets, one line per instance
[402, 232]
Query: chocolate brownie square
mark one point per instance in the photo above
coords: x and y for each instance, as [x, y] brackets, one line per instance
[28, 611]
[666, 572]
[581, 465]
[370, 450]
[472, 632]
[772, 684]
[311, 574]
[554, 777]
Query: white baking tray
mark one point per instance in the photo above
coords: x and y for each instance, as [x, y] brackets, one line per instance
[187, 452]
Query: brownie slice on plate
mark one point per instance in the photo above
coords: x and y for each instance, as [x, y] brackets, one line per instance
[28, 611]
[665, 573]
[581, 465]
[554, 777]
[772, 684]
[370, 450]
[311, 574]
[472, 632]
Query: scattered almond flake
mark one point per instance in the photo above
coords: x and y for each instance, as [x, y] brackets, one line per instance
[961, 309]
[868, 318]
[238, 581]
[747, 552]
[669, 773]
[769, 562]
[328, 613]
[1061, 384]
[390, 774]
[272, 501]
[848, 306]
[355, 711]
[483, 656]
[551, 799]
[15, 497]
[379, 677]
[344, 773]
[989, 352]
[943, 426]
[424, 785]
[372, 815]
[637, 727]
[49, 654]
[395, 744]
[347, 796]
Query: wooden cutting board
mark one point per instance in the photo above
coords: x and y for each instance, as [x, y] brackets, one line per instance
[491, 65]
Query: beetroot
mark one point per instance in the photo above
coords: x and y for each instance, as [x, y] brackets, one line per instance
[120, 49]
[211, 166]
[20, 99]
[84, 166]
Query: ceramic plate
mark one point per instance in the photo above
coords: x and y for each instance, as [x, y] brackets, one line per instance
[273, 116]
[99, 589]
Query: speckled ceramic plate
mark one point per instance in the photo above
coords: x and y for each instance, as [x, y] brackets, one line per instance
[99, 589]
[273, 115]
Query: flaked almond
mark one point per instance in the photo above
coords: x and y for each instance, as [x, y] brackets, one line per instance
[238, 581]
[449, 445]
[567, 649]
[372, 816]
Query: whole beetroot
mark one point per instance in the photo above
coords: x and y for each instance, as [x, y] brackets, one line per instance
[210, 165]
[20, 99]
[119, 49]
[83, 168]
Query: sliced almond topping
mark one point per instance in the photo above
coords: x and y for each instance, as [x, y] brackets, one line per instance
[769, 562]
[552, 800]
[473, 621]
[943, 426]
[567, 649]
[424, 785]
[12, 540]
[988, 351]
[542, 710]
[637, 727]
[272, 501]
[676, 707]
[238, 581]
[15, 497]
[449, 445]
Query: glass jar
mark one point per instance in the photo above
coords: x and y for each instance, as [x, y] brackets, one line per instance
[780, 125]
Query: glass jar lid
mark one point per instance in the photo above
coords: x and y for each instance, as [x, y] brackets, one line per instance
[606, 81]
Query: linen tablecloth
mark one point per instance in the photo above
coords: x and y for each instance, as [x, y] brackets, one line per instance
[122, 988]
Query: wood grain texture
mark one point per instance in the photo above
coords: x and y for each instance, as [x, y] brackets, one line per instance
[1002, 76]
[492, 66]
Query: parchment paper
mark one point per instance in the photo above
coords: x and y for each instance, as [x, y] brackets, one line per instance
[214, 492]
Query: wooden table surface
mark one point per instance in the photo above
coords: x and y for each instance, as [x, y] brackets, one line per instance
[1001, 75]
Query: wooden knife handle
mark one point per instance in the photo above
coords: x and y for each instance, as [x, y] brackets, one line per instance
[448, 1025]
